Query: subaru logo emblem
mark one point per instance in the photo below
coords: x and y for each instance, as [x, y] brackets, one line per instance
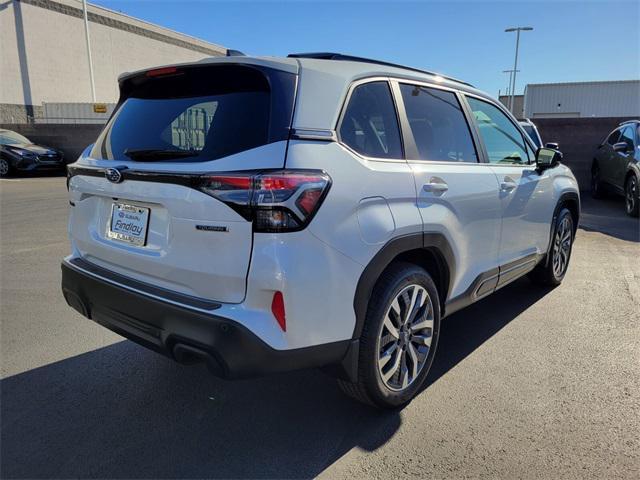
[113, 175]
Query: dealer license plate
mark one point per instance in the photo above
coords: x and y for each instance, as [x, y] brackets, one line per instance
[129, 223]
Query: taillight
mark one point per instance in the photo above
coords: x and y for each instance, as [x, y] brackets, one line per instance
[276, 201]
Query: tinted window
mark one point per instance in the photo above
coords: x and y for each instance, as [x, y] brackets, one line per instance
[503, 141]
[438, 125]
[198, 114]
[529, 130]
[370, 125]
[627, 137]
[613, 138]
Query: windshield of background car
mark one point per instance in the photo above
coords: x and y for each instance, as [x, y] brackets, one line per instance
[7, 137]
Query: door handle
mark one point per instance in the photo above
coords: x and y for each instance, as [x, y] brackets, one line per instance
[508, 184]
[435, 185]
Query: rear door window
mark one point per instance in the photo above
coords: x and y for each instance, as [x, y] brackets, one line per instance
[370, 125]
[439, 128]
[198, 114]
[627, 137]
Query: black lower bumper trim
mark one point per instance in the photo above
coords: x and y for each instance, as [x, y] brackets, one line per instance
[229, 349]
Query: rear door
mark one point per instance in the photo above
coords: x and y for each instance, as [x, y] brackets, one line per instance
[526, 195]
[457, 194]
[621, 159]
[607, 156]
[137, 206]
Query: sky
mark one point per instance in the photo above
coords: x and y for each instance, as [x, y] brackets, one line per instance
[571, 40]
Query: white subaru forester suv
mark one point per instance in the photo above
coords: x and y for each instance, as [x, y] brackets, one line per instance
[320, 210]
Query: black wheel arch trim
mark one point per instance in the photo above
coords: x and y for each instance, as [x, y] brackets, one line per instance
[565, 199]
[434, 242]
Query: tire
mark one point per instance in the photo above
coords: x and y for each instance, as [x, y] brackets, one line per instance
[632, 195]
[5, 168]
[596, 184]
[392, 370]
[551, 271]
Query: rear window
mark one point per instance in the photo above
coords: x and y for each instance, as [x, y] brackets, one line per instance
[198, 114]
[614, 137]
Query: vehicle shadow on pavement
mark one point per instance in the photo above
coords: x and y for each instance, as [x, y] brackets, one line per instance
[466, 330]
[608, 216]
[124, 412]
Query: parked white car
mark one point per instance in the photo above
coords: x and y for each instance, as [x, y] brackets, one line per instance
[530, 129]
[320, 210]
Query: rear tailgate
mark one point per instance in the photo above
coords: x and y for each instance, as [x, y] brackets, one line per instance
[136, 210]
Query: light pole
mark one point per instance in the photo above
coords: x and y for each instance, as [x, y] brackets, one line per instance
[515, 63]
[508, 84]
[510, 72]
[86, 35]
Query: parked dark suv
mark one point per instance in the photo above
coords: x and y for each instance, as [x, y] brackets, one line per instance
[616, 165]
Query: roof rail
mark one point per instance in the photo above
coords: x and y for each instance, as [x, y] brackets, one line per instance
[635, 120]
[350, 58]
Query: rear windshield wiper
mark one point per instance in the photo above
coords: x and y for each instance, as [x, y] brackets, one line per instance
[158, 154]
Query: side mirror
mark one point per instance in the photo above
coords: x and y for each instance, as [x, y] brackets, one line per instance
[547, 158]
[620, 147]
[552, 145]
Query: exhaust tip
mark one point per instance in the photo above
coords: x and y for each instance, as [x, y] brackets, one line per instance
[190, 355]
[75, 302]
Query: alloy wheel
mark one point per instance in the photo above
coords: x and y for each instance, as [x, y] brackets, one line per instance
[631, 194]
[405, 337]
[4, 167]
[562, 247]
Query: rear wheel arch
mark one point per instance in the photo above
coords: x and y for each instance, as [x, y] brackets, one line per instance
[632, 208]
[432, 260]
[430, 251]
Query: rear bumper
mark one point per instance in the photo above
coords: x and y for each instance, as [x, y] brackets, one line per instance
[186, 333]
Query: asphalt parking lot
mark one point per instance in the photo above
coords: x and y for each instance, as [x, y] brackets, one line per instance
[526, 383]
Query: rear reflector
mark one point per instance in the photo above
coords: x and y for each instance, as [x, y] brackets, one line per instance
[277, 308]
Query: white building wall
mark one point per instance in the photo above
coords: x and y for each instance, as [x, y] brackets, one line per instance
[584, 99]
[43, 54]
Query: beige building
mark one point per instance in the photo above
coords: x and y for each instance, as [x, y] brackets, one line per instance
[518, 105]
[43, 53]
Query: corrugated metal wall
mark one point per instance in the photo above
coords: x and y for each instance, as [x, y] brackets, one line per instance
[583, 100]
[73, 113]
